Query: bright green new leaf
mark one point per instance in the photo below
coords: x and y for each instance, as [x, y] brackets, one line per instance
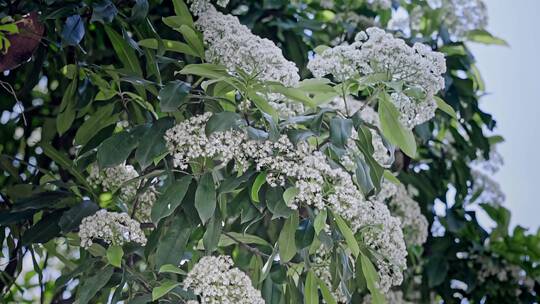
[311, 292]
[286, 240]
[290, 194]
[348, 235]
[372, 280]
[205, 197]
[392, 128]
[446, 108]
[169, 268]
[163, 289]
[326, 293]
[320, 221]
[114, 255]
[259, 181]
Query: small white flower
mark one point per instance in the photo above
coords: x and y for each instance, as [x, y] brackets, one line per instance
[463, 16]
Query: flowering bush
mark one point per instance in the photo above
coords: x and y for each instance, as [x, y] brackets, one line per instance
[254, 152]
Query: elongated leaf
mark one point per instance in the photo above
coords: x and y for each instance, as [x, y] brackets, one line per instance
[173, 95]
[340, 131]
[483, 36]
[212, 234]
[169, 268]
[193, 40]
[290, 194]
[257, 184]
[169, 45]
[311, 292]
[287, 240]
[163, 289]
[72, 218]
[90, 286]
[181, 10]
[348, 235]
[125, 53]
[153, 144]
[170, 199]
[372, 280]
[326, 293]
[117, 148]
[172, 244]
[446, 108]
[320, 221]
[205, 197]
[43, 231]
[65, 118]
[392, 128]
[231, 238]
[64, 162]
[102, 118]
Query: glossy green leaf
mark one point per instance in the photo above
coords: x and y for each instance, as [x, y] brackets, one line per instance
[173, 95]
[257, 184]
[340, 131]
[172, 244]
[169, 45]
[287, 240]
[90, 286]
[163, 289]
[72, 218]
[311, 292]
[205, 197]
[169, 268]
[446, 108]
[170, 199]
[152, 143]
[392, 128]
[102, 118]
[372, 280]
[348, 235]
[114, 255]
[125, 53]
[320, 221]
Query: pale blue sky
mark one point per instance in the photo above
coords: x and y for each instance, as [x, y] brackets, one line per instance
[513, 82]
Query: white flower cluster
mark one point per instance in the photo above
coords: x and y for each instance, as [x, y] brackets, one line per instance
[489, 190]
[117, 179]
[375, 52]
[392, 297]
[380, 4]
[111, 227]
[413, 223]
[503, 272]
[200, 6]
[321, 267]
[463, 16]
[232, 44]
[216, 281]
[312, 175]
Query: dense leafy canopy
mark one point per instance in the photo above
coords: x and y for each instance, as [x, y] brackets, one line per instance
[95, 97]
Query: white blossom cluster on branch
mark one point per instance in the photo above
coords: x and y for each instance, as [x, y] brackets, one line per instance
[112, 228]
[375, 53]
[232, 44]
[413, 223]
[216, 281]
[311, 174]
[463, 16]
[198, 7]
[120, 180]
[392, 297]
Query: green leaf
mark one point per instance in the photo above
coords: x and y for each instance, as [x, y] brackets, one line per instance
[326, 293]
[263, 105]
[193, 40]
[163, 289]
[363, 176]
[446, 108]
[172, 244]
[340, 131]
[275, 203]
[311, 292]
[173, 95]
[90, 286]
[170, 199]
[205, 197]
[223, 121]
[102, 118]
[257, 184]
[287, 240]
[372, 280]
[181, 10]
[212, 234]
[152, 143]
[290, 194]
[391, 178]
[114, 255]
[65, 118]
[63, 161]
[169, 45]
[72, 218]
[43, 231]
[483, 36]
[232, 238]
[392, 128]
[125, 53]
[73, 30]
[169, 268]
[207, 70]
[117, 148]
[320, 221]
[348, 235]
